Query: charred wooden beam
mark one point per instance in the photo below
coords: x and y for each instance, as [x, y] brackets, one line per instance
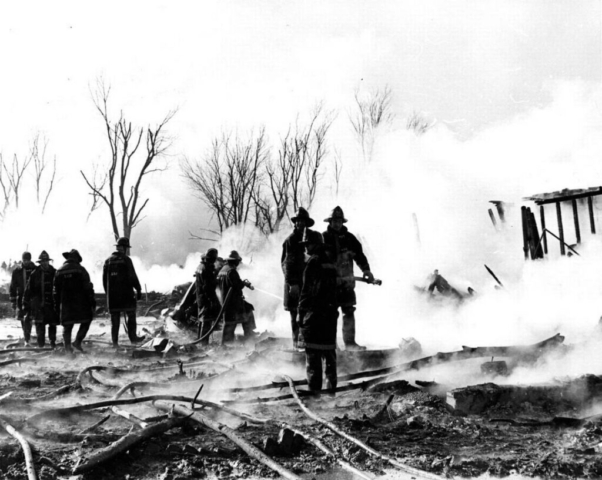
[247, 447]
[560, 227]
[523, 211]
[419, 474]
[544, 237]
[576, 219]
[590, 207]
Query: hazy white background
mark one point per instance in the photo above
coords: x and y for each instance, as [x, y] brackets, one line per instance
[513, 89]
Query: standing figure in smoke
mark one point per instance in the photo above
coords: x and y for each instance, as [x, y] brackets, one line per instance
[119, 281]
[74, 299]
[318, 311]
[38, 300]
[18, 282]
[346, 249]
[293, 263]
[206, 295]
[236, 309]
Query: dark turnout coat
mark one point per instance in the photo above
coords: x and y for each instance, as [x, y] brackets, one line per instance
[73, 294]
[18, 281]
[346, 249]
[228, 279]
[293, 264]
[119, 280]
[206, 285]
[318, 303]
[38, 298]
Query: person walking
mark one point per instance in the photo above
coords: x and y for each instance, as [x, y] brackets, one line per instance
[119, 281]
[38, 300]
[74, 299]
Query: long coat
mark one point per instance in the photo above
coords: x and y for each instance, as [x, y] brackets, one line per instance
[206, 285]
[18, 281]
[346, 249]
[236, 310]
[73, 294]
[318, 304]
[38, 297]
[119, 280]
[293, 264]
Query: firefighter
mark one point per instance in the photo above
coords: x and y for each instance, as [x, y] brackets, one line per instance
[18, 282]
[293, 263]
[119, 280]
[74, 299]
[206, 296]
[38, 301]
[236, 309]
[318, 311]
[346, 249]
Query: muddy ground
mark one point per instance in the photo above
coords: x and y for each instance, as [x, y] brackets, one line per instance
[417, 427]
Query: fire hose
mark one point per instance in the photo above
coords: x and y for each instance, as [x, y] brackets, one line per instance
[365, 280]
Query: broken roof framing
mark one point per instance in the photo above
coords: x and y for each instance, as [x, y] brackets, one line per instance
[536, 246]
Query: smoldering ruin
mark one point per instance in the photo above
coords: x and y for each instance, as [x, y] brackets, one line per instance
[175, 409]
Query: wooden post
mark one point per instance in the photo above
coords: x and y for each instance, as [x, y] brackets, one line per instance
[591, 214]
[500, 211]
[523, 212]
[543, 229]
[576, 219]
[492, 216]
[536, 251]
[560, 227]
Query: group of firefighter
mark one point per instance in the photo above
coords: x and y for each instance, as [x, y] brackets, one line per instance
[47, 297]
[318, 280]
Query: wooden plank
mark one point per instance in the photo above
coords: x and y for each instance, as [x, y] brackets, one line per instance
[560, 228]
[590, 206]
[576, 219]
[542, 215]
[523, 211]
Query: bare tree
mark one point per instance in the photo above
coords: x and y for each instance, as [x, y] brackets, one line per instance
[369, 114]
[41, 166]
[119, 186]
[418, 123]
[228, 177]
[292, 180]
[11, 178]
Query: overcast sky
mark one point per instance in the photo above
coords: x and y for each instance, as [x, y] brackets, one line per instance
[468, 65]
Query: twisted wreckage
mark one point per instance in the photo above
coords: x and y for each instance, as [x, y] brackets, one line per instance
[244, 411]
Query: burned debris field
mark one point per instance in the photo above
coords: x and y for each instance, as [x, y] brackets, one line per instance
[180, 412]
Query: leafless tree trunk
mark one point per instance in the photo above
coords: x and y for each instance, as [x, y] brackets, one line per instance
[227, 179]
[11, 177]
[292, 180]
[370, 114]
[119, 185]
[40, 163]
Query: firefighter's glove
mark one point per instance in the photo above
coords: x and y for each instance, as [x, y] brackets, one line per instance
[293, 291]
[138, 295]
[368, 276]
[247, 284]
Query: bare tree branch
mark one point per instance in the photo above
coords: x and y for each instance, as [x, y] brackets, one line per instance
[370, 114]
[119, 187]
